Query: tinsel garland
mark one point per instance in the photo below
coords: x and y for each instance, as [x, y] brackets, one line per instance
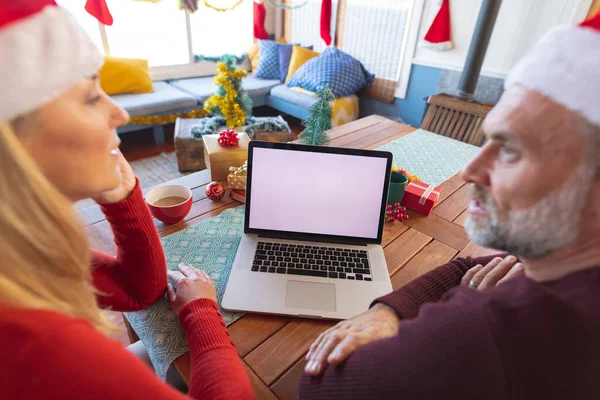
[230, 96]
[411, 177]
[233, 7]
[209, 126]
[166, 119]
[286, 7]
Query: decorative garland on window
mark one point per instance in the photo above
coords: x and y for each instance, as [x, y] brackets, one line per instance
[219, 9]
[286, 7]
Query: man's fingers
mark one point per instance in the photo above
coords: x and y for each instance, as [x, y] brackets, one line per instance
[516, 270]
[171, 294]
[313, 347]
[470, 274]
[479, 276]
[318, 361]
[499, 271]
[346, 347]
[176, 276]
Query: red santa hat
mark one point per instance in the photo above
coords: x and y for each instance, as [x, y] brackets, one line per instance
[43, 52]
[565, 66]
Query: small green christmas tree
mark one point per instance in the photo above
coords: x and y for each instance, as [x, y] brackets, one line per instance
[319, 120]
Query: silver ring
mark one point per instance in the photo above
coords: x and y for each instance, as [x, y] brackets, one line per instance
[473, 284]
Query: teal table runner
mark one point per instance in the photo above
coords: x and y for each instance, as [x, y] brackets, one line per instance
[211, 245]
[434, 158]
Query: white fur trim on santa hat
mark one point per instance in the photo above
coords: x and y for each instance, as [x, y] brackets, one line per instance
[436, 46]
[41, 57]
[564, 66]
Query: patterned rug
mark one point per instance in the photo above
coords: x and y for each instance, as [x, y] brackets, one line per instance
[150, 171]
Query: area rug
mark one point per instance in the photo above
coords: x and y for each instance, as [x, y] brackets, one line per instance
[150, 171]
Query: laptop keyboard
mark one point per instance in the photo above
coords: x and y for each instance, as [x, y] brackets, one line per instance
[322, 261]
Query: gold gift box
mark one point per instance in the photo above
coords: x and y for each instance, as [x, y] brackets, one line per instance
[237, 177]
[219, 158]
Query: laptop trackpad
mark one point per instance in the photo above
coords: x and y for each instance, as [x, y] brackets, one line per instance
[310, 296]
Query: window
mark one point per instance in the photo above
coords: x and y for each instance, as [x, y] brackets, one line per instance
[303, 24]
[168, 37]
[379, 33]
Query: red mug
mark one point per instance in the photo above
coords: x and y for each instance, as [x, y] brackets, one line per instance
[170, 203]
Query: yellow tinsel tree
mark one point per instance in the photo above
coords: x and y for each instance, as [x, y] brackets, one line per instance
[231, 101]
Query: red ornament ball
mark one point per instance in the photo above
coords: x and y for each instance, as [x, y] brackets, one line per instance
[388, 207]
[392, 219]
[396, 205]
[215, 191]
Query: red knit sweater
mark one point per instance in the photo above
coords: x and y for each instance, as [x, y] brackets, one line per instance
[520, 340]
[45, 354]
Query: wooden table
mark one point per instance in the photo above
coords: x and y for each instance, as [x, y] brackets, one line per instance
[273, 348]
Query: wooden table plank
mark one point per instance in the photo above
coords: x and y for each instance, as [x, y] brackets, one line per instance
[432, 256]
[439, 229]
[391, 232]
[449, 187]
[261, 391]
[272, 358]
[454, 205]
[462, 218]
[253, 329]
[342, 141]
[286, 387]
[376, 139]
[401, 250]
[354, 126]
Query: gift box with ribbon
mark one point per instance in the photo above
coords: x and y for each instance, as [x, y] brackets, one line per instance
[421, 197]
[219, 158]
[237, 177]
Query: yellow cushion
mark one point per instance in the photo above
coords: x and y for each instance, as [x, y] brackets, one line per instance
[254, 54]
[125, 75]
[300, 55]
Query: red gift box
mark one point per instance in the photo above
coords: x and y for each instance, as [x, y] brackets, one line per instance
[421, 197]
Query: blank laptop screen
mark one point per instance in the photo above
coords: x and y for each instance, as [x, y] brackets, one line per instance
[319, 193]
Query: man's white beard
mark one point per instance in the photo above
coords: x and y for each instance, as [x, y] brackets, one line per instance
[551, 224]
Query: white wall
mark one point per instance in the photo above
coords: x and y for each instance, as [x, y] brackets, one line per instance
[520, 24]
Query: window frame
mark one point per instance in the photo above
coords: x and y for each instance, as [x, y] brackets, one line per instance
[192, 69]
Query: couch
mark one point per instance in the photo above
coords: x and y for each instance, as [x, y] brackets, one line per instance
[182, 95]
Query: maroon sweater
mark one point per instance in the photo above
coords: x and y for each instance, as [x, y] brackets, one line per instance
[520, 340]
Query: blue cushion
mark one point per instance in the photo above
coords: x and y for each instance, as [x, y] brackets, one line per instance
[341, 72]
[268, 64]
[301, 99]
[164, 98]
[204, 87]
[285, 55]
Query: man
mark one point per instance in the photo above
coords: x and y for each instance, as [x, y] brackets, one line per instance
[536, 194]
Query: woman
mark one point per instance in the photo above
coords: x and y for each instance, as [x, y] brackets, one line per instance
[58, 145]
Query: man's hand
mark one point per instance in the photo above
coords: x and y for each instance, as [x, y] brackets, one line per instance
[494, 273]
[336, 344]
[125, 187]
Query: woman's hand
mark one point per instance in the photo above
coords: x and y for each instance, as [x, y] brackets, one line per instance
[190, 284]
[494, 273]
[125, 187]
[336, 344]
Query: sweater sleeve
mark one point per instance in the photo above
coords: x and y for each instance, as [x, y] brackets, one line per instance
[137, 276]
[67, 359]
[216, 369]
[431, 286]
[448, 351]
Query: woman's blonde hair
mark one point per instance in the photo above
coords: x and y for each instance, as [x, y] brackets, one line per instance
[44, 253]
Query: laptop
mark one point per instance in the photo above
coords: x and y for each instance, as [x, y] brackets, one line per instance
[312, 232]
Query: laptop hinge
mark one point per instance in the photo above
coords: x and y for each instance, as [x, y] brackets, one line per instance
[348, 241]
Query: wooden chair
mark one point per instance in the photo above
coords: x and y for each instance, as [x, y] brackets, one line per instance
[455, 118]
